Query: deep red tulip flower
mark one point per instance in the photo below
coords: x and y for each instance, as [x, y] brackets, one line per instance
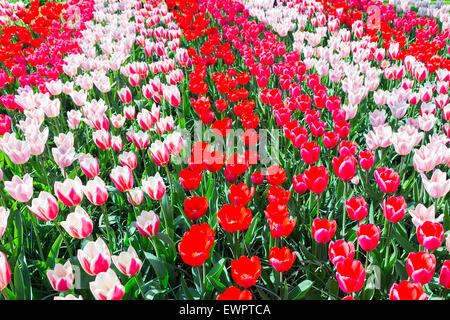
[387, 179]
[257, 178]
[281, 226]
[323, 230]
[236, 164]
[233, 293]
[344, 167]
[196, 243]
[246, 271]
[347, 148]
[356, 208]
[281, 259]
[275, 175]
[195, 207]
[421, 266]
[316, 179]
[394, 208]
[278, 194]
[330, 139]
[444, 277]
[340, 250]
[299, 184]
[240, 194]
[368, 236]
[214, 160]
[222, 127]
[190, 180]
[5, 124]
[406, 290]
[233, 218]
[310, 152]
[366, 159]
[430, 235]
[350, 275]
[348, 298]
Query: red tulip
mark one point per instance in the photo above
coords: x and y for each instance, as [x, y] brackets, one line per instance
[246, 271]
[299, 184]
[430, 235]
[330, 139]
[406, 290]
[278, 194]
[323, 230]
[275, 175]
[190, 180]
[444, 277]
[366, 159]
[196, 243]
[394, 208]
[347, 148]
[340, 250]
[233, 293]
[368, 236]
[421, 266]
[350, 275]
[356, 208]
[310, 152]
[233, 218]
[5, 124]
[257, 178]
[344, 167]
[195, 207]
[316, 179]
[281, 259]
[240, 194]
[387, 179]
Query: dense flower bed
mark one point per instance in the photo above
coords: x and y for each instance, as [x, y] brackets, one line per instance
[224, 149]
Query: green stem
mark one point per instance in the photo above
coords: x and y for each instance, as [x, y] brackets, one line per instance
[318, 205]
[153, 241]
[200, 278]
[137, 277]
[33, 221]
[281, 285]
[5, 296]
[63, 237]
[105, 217]
[344, 211]
[166, 222]
[386, 257]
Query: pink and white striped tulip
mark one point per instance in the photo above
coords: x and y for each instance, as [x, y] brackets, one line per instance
[78, 224]
[69, 192]
[147, 223]
[94, 257]
[5, 271]
[128, 262]
[45, 207]
[96, 192]
[154, 186]
[122, 177]
[107, 286]
[20, 189]
[61, 278]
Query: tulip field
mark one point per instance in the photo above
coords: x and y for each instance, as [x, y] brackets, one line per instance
[224, 150]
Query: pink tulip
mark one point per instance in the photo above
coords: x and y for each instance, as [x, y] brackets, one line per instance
[68, 297]
[438, 186]
[20, 190]
[78, 224]
[89, 165]
[174, 143]
[61, 278]
[96, 192]
[421, 266]
[107, 286]
[45, 207]
[444, 276]
[69, 192]
[125, 95]
[4, 214]
[116, 143]
[147, 223]
[154, 187]
[128, 159]
[135, 196]
[5, 271]
[394, 208]
[128, 262]
[122, 177]
[129, 112]
[421, 214]
[160, 153]
[430, 235]
[94, 257]
[102, 139]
